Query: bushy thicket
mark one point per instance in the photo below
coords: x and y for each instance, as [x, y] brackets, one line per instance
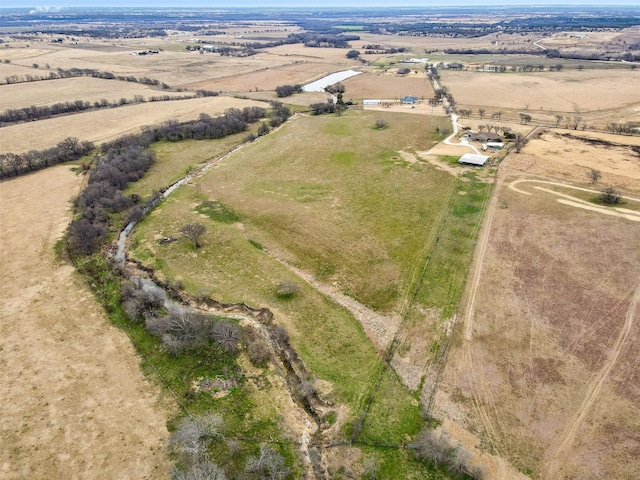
[288, 90]
[15, 164]
[320, 108]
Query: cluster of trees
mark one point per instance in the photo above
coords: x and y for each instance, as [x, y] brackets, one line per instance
[379, 49]
[288, 90]
[626, 127]
[70, 149]
[121, 163]
[326, 40]
[321, 108]
[192, 439]
[206, 127]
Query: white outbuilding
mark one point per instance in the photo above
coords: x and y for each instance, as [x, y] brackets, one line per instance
[473, 159]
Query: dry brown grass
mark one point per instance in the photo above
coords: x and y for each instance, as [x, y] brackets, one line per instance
[614, 93]
[70, 89]
[556, 287]
[104, 125]
[388, 86]
[74, 403]
[557, 155]
[289, 74]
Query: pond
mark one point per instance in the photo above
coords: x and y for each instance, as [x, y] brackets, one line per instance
[321, 84]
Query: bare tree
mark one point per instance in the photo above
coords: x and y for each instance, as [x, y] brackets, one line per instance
[481, 112]
[203, 469]
[227, 335]
[525, 118]
[594, 175]
[519, 142]
[193, 231]
[267, 465]
[558, 120]
[496, 115]
[381, 124]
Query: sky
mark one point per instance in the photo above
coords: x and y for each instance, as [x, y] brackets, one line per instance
[298, 3]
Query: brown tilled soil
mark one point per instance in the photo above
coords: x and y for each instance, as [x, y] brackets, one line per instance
[74, 403]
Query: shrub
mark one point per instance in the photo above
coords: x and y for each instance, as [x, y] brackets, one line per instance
[610, 196]
[287, 289]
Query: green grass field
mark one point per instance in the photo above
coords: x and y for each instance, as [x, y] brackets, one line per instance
[343, 201]
[175, 159]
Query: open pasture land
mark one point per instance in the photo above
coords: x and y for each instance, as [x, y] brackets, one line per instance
[105, 125]
[546, 372]
[298, 72]
[363, 221]
[74, 402]
[387, 86]
[355, 216]
[614, 97]
[425, 46]
[570, 155]
[331, 342]
[87, 89]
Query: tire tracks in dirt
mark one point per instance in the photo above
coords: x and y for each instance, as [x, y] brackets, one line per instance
[595, 386]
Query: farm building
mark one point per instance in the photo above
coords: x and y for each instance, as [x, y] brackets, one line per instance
[371, 102]
[484, 137]
[209, 48]
[409, 100]
[473, 159]
[493, 146]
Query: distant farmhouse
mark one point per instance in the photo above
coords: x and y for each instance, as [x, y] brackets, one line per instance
[409, 100]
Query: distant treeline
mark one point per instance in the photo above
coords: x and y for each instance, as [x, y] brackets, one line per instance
[84, 72]
[34, 112]
[550, 53]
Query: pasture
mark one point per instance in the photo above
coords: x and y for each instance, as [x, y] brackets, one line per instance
[387, 86]
[104, 125]
[87, 89]
[543, 95]
[545, 370]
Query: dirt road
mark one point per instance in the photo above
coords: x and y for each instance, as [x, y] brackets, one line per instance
[74, 403]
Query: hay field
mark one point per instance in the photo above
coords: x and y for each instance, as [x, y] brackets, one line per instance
[562, 154]
[266, 79]
[544, 93]
[104, 125]
[387, 86]
[546, 373]
[74, 402]
[87, 89]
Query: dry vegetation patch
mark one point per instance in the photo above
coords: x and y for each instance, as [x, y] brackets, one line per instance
[566, 154]
[551, 312]
[385, 86]
[104, 125]
[70, 89]
[74, 401]
[541, 94]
